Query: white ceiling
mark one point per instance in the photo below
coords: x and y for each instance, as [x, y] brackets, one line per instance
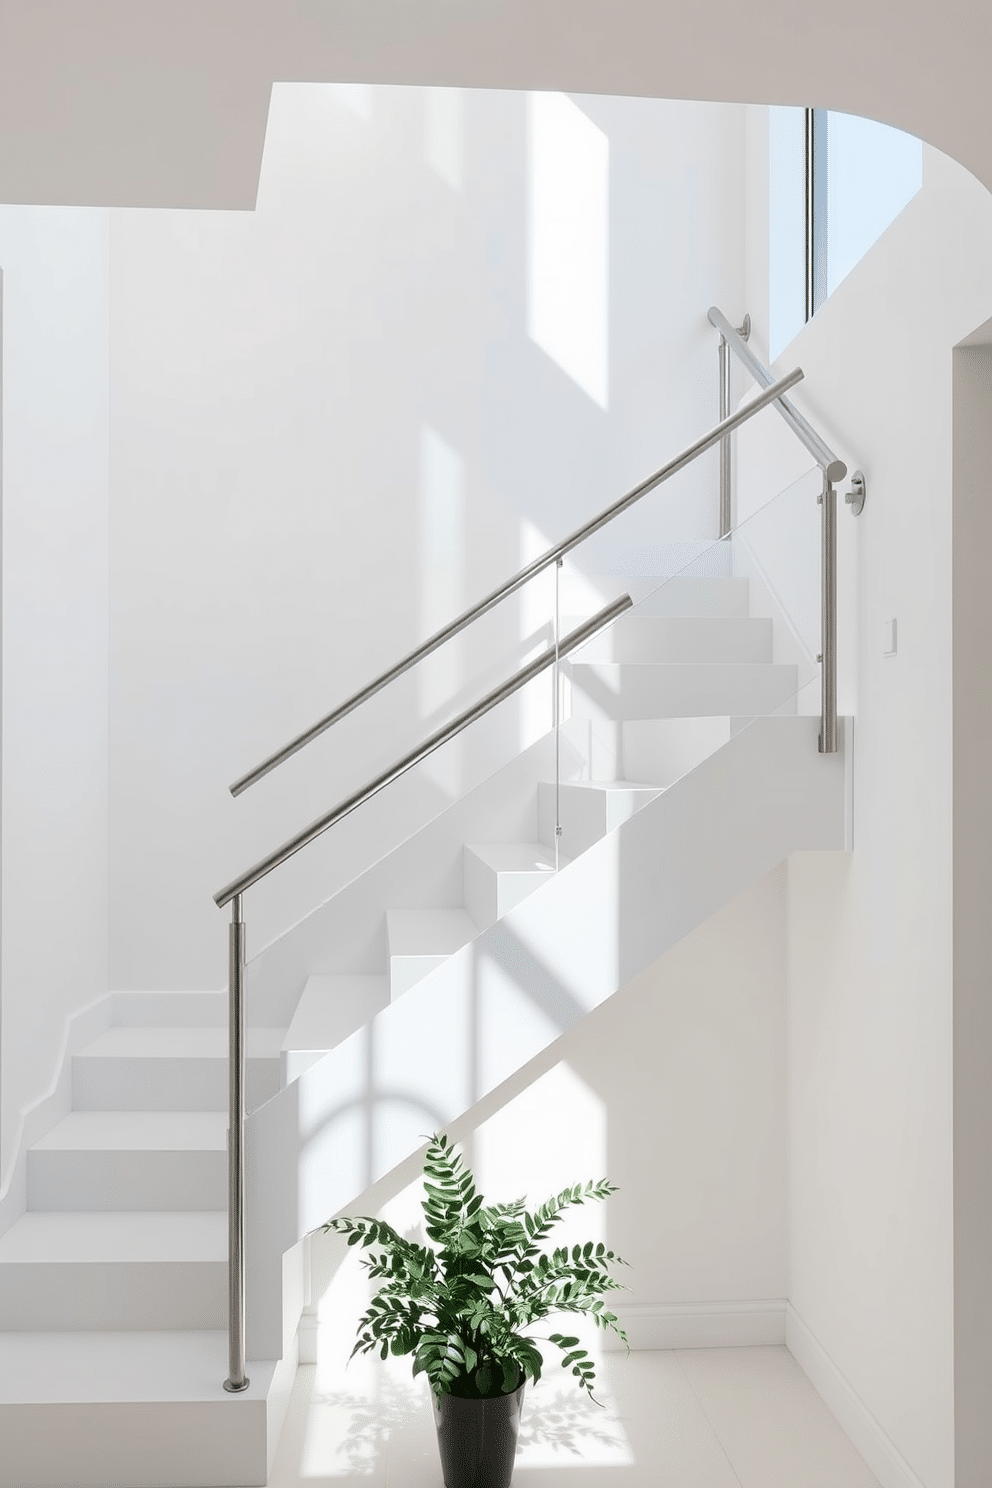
[142, 102]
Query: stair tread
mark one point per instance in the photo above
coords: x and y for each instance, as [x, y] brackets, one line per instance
[429, 932]
[91, 1368]
[731, 667]
[116, 1235]
[123, 1042]
[514, 857]
[132, 1131]
[605, 786]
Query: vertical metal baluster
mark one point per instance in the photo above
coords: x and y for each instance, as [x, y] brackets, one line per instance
[237, 1379]
[725, 441]
[828, 619]
[557, 715]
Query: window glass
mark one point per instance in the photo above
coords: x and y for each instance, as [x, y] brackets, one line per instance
[865, 175]
[872, 172]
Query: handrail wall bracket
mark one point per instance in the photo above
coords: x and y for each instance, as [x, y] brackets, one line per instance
[858, 494]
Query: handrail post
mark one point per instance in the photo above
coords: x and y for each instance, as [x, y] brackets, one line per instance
[828, 618]
[725, 515]
[237, 1380]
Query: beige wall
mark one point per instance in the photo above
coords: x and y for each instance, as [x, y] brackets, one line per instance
[972, 622]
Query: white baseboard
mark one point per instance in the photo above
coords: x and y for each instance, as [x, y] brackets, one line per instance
[671, 1325]
[876, 1447]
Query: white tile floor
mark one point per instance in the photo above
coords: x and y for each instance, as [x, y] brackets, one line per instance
[700, 1418]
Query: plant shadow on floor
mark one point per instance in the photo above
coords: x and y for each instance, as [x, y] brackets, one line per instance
[375, 1419]
[567, 1423]
[562, 1422]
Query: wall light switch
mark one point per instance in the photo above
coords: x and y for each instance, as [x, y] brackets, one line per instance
[889, 638]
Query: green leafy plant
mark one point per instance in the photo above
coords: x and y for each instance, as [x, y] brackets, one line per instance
[463, 1305]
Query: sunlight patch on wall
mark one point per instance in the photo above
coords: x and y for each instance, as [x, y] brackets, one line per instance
[568, 247]
[444, 134]
[520, 1151]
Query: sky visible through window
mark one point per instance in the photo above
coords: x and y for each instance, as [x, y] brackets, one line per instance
[872, 172]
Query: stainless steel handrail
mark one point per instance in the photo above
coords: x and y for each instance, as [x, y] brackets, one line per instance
[237, 1378]
[833, 468]
[575, 638]
[773, 391]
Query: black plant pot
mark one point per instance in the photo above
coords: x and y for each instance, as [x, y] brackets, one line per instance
[477, 1439]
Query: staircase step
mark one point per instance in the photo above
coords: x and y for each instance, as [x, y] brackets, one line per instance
[707, 598]
[169, 1009]
[664, 638]
[130, 1160]
[497, 876]
[330, 1010]
[622, 690]
[170, 1069]
[589, 809]
[422, 939]
[141, 1408]
[114, 1271]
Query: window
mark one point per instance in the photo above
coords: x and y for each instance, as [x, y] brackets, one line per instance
[835, 183]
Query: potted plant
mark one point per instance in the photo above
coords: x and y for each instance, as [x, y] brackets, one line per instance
[463, 1306]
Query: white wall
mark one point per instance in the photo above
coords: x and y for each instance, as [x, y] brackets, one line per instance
[676, 1089]
[870, 948]
[295, 391]
[54, 733]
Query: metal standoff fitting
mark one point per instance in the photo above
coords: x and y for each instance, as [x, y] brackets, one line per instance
[855, 497]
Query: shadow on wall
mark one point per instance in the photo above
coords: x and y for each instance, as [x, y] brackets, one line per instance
[674, 1089]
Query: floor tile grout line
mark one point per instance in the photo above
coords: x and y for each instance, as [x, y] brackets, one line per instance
[706, 1416]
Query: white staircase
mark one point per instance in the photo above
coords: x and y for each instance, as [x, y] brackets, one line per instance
[113, 1283]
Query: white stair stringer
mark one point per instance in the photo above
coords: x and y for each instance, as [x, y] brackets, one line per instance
[496, 1003]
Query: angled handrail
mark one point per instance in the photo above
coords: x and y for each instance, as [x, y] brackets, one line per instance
[577, 637]
[773, 391]
[833, 468]
[237, 1378]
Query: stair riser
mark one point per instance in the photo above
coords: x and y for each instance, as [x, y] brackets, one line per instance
[169, 1009]
[119, 1083]
[490, 894]
[145, 1445]
[95, 1180]
[690, 691]
[643, 638]
[722, 598]
[406, 971]
[111, 1296]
